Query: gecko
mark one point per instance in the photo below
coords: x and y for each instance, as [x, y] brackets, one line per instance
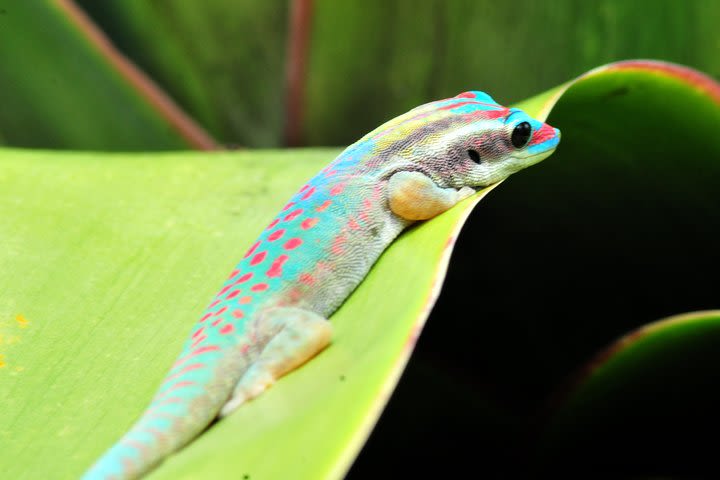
[271, 315]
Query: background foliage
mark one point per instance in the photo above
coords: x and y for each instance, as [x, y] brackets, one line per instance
[225, 61]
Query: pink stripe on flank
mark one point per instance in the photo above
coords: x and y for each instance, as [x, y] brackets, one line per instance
[186, 369]
[292, 243]
[308, 223]
[258, 258]
[293, 215]
[276, 267]
[245, 278]
[178, 385]
[252, 249]
[276, 234]
[194, 353]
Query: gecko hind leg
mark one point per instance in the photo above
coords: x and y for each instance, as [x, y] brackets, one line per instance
[300, 334]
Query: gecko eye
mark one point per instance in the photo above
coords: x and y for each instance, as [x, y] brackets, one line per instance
[521, 135]
[474, 156]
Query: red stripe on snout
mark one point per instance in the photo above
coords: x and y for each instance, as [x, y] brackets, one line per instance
[545, 133]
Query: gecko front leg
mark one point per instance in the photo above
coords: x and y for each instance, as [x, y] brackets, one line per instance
[294, 336]
[414, 196]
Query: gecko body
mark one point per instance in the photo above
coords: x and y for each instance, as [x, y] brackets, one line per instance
[270, 315]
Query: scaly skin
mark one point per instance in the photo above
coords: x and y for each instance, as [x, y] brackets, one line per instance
[271, 314]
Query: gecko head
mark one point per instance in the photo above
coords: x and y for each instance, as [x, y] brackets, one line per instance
[471, 140]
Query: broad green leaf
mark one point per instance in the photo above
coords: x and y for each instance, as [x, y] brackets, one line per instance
[61, 90]
[108, 259]
[108, 264]
[222, 60]
[648, 401]
[617, 229]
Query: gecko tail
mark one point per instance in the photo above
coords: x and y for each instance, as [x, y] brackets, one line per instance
[189, 399]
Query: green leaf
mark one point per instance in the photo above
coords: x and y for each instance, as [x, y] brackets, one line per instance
[111, 257]
[647, 401]
[223, 61]
[62, 89]
[618, 228]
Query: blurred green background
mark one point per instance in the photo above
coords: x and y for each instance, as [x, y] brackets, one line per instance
[225, 62]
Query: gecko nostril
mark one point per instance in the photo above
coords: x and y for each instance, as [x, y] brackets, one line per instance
[474, 156]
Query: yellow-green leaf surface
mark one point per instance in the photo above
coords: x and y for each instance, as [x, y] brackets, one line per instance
[108, 259]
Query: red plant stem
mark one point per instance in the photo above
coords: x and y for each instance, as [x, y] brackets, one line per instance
[301, 12]
[193, 133]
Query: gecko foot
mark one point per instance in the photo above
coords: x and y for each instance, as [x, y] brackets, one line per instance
[301, 334]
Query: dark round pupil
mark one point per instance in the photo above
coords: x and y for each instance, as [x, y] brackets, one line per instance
[521, 134]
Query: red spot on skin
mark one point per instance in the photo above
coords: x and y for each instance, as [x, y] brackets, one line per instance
[363, 216]
[238, 313]
[216, 322]
[258, 258]
[308, 194]
[229, 328]
[324, 206]
[367, 204]
[276, 234]
[338, 245]
[330, 173]
[307, 279]
[308, 223]
[224, 289]
[137, 446]
[154, 432]
[288, 206]
[245, 300]
[245, 349]
[292, 243]
[198, 341]
[337, 189]
[353, 224]
[233, 294]
[294, 295]
[234, 272]
[220, 312]
[304, 188]
[128, 466]
[244, 278]
[252, 249]
[273, 223]
[188, 368]
[184, 383]
[199, 351]
[259, 287]
[214, 303]
[205, 317]
[489, 114]
[276, 267]
[294, 214]
[198, 332]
